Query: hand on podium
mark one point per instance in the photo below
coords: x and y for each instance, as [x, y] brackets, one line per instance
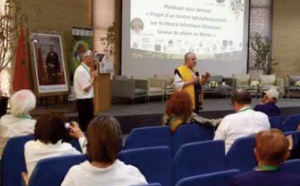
[94, 74]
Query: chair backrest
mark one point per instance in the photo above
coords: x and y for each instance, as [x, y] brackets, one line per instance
[153, 162]
[75, 143]
[222, 178]
[119, 77]
[291, 122]
[151, 184]
[293, 79]
[198, 158]
[291, 166]
[217, 79]
[295, 135]
[191, 133]
[148, 137]
[51, 171]
[240, 155]
[241, 79]
[267, 79]
[13, 161]
[142, 76]
[276, 122]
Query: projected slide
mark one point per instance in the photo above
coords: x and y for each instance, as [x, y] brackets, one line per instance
[178, 26]
[157, 33]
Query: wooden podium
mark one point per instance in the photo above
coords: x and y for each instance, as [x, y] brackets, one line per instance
[102, 93]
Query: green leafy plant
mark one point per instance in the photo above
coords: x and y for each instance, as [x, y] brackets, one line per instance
[9, 31]
[263, 56]
[110, 40]
[10, 20]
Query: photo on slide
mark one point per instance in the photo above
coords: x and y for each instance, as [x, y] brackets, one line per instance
[137, 25]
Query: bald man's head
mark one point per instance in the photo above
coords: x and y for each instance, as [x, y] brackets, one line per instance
[241, 96]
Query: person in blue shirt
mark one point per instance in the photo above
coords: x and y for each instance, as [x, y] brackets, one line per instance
[268, 106]
[271, 149]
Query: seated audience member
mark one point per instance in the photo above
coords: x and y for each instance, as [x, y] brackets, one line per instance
[18, 122]
[271, 149]
[104, 143]
[179, 110]
[50, 133]
[242, 123]
[268, 103]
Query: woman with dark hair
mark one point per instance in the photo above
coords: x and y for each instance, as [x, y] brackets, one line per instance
[50, 133]
[179, 110]
[104, 143]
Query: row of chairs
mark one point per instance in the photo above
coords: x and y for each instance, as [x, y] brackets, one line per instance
[13, 161]
[52, 171]
[198, 163]
[240, 156]
[161, 136]
[224, 178]
[153, 162]
[289, 124]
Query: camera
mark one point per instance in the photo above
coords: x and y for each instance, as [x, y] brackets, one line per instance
[68, 126]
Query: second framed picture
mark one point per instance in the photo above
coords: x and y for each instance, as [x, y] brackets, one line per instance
[50, 75]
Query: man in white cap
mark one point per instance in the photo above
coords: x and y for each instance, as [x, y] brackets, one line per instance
[83, 87]
[268, 106]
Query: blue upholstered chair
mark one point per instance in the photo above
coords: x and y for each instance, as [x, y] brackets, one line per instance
[198, 158]
[153, 162]
[75, 143]
[151, 184]
[276, 122]
[240, 155]
[148, 137]
[51, 171]
[13, 161]
[295, 135]
[291, 123]
[191, 133]
[291, 166]
[222, 178]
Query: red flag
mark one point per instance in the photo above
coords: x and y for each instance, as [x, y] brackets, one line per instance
[21, 80]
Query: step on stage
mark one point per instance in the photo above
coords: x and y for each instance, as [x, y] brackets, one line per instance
[143, 114]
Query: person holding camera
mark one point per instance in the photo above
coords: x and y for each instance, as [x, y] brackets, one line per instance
[52, 131]
[104, 138]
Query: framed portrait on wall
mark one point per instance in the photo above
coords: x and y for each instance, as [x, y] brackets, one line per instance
[48, 65]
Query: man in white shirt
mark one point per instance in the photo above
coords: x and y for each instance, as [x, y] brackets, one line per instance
[243, 123]
[83, 87]
[187, 78]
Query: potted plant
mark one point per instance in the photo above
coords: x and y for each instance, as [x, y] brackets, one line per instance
[109, 43]
[10, 21]
[263, 56]
[110, 39]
